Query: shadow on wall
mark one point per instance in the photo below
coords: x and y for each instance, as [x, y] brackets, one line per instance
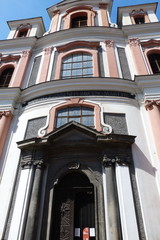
[141, 161]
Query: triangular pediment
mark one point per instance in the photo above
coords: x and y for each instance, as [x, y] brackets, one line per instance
[73, 132]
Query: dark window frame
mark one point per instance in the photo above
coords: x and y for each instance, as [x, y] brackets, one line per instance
[72, 68]
[6, 76]
[68, 116]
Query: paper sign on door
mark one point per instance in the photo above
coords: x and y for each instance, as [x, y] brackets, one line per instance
[86, 233]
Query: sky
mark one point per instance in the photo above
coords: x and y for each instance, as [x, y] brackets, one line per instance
[21, 9]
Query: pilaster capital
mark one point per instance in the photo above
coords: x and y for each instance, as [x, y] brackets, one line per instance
[26, 53]
[56, 12]
[48, 50]
[150, 103]
[109, 43]
[109, 161]
[5, 114]
[103, 5]
[32, 158]
[134, 42]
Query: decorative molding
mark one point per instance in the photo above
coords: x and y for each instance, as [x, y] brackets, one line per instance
[110, 161]
[48, 50]
[5, 114]
[73, 166]
[134, 42]
[103, 5]
[28, 164]
[109, 43]
[26, 53]
[137, 12]
[150, 103]
[75, 101]
[24, 26]
[32, 158]
[81, 44]
[151, 43]
[9, 58]
[56, 12]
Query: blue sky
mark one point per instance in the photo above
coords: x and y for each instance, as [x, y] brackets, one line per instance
[21, 9]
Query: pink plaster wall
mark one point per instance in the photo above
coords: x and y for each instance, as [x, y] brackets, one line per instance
[138, 57]
[5, 120]
[111, 58]
[153, 108]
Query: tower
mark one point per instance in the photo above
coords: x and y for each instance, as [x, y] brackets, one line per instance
[79, 124]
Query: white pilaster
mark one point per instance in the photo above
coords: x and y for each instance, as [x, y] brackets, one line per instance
[126, 204]
[20, 205]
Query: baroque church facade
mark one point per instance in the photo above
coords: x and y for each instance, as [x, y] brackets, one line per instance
[80, 124]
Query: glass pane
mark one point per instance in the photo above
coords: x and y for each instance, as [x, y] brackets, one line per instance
[66, 66]
[87, 64]
[67, 59]
[87, 57]
[88, 121]
[77, 57]
[77, 65]
[87, 71]
[76, 119]
[66, 73]
[62, 112]
[77, 72]
[74, 111]
[61, 121]
[87, 111]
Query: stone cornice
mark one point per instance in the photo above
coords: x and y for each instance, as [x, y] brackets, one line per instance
[57, 86]
[28, 42]
[96, 33]
[139, 30]
[9, 98]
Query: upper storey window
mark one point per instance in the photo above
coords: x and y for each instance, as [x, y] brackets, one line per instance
[80, 21]
[23, 33]
[6, 77]
[139, 19]
[79, 17]
[154, 60]
[80, 114]
[77, 65]
[23, 30]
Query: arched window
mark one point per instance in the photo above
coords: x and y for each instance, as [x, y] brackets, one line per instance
[22, 33]
[77, 65]
[6, 76]
[79, 21]
[73, 208]
[80, 114]
[154, 60]
[139, 19]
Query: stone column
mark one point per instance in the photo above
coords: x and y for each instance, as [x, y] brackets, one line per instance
[21, 69]
[55, 21]
[45, 65]
[153, 108]
[33, 216]
[104, 17]
[111, 58]
[5, 120]
[113, 230]
[138, 57]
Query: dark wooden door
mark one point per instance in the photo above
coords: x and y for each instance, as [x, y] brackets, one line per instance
[73, 208]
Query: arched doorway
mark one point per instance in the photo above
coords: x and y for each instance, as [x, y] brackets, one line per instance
[73, 208]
